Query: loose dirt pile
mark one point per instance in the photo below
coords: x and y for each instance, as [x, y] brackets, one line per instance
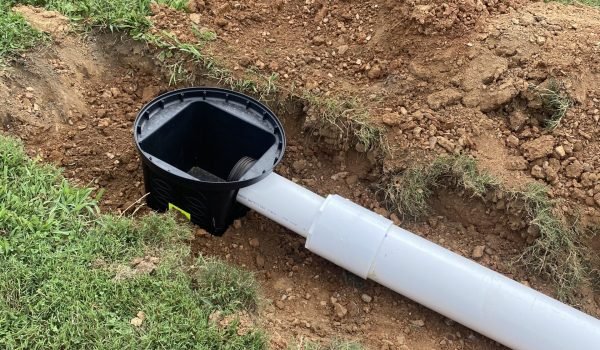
[438, 77]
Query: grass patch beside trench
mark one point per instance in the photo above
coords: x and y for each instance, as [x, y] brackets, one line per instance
[69, 280]
[16, 35]
[408, 193]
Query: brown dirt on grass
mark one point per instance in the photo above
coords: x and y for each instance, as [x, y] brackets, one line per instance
[440, 77]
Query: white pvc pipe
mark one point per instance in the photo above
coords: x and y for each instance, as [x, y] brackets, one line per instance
[370, 246]
[288, 204]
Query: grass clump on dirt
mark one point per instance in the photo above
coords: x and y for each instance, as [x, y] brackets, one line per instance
[16, 35]
[557, 253]
[70, 278]
[349, 119]
[334, 345]
[593, 3]
[128, 15]
[555, 103]
[409, 192]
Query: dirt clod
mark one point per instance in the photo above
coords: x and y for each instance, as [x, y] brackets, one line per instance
[339, 310]
[444, 98]
[254, 242]
[574, 169]
[417, 323]
[478, 252]
[237, 224]
[538, 148]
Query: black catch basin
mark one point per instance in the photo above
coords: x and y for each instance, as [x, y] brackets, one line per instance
[199, 146]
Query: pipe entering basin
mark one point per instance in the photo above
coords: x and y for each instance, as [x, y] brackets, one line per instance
[210, 153]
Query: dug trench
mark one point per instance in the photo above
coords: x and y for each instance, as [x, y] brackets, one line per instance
[73, 104]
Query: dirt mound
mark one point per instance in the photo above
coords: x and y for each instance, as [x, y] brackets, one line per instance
[435, 17]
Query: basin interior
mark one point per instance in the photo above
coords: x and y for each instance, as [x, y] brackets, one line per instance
[205, 138]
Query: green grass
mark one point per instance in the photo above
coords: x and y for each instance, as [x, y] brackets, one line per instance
[128, 15]
[334, 345]
[555, 103]
[557, 253]
[181, 5]
[351, 122]
[593, 3]
[408, 193]
[16, 35]
[59, 260]
[225, 287]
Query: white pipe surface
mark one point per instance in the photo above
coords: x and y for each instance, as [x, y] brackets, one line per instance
[283, 201]
[370, 246]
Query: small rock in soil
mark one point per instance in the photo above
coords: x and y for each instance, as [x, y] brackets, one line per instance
[417, 323]
[339, 310]
[381, 211]
[444, 98]
[574, 169]
[512, 141]
[538, 148]
[260, 261]
[432, 142]
[517, 163]
[560, 152]
[497, 99]
[517, 120]
[237, 224]
[391, 119]
[395, 219]
[400, 339]
[245, 61]
[352, 180]
[478, 252]
[299, 165]
[145, 267]
[222, 22]
[254, 242]
[366, 298]
[318, 40]
[375, 72]
[280, 305]
[538, 172]
[150, 92]
[195, 18]
[196, 5]
[141, 315]
[343, 49]
[446, 144]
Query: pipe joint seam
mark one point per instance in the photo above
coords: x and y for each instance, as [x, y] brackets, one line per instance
[347, 234]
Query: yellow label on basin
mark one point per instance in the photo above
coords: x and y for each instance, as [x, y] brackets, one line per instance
[185, 213]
